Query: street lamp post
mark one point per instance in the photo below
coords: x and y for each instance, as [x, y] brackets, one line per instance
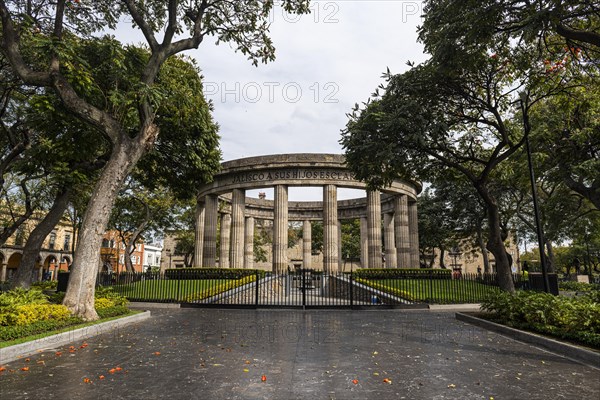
[538, 225]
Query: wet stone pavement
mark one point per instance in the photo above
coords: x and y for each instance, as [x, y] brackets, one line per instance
[321, 354]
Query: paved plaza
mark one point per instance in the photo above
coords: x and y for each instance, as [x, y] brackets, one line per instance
[321, 354]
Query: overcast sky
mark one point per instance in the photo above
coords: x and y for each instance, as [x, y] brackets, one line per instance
[326, 62]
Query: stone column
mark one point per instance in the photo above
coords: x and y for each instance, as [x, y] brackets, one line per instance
[364, 243]
[3, 272]
[374, 228]
[209, 253]
[306, 245]
[280, 229]
[249, 243]
[340, 258]
[402, 231]
[330, 229]
[225, 241]
[199, 234]
[389, 241]
[238, 206]
[413, 226]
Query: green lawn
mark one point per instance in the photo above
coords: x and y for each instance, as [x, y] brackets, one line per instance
[178, 290]
[437, 291]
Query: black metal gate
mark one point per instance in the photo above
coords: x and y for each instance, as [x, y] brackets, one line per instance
[303, 288]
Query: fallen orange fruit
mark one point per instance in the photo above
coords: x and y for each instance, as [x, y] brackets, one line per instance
[25, 369]
[101, 377]
[118, 368]
[355, 381]
[263, 378]
[87, 380]
[112, 370]
[157, 353]
[386, 380]
[58, 353]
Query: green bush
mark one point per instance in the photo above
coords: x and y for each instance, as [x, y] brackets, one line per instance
[575, 318]
[211, 273]
[578, 286]
[18, 331]
[108, 293]
[21, 296]
[113, 311]
[403, 273]
[45, 285]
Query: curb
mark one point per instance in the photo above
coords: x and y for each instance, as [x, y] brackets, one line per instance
[146, 304]
[567, 350]
[455, 307]
[11, 353]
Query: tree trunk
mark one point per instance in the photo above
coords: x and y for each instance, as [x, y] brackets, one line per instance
[442, 264]
[79, 298]
[484, 254]
[31, 251]
[130, 244]
[495, 243]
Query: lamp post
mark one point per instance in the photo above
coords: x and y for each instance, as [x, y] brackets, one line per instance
[538, 225]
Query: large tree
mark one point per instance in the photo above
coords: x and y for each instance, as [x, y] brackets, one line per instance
[125, 117]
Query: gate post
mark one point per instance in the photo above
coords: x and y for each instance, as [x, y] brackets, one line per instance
[256, 289]
[351, 290]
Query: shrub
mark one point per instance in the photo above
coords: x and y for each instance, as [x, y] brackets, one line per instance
[21, 296]
[388, 289]
[211, 273]
[112, 311]
[567, 317]
[45, 285]
[403, 273]
[25, 314]
[578, 286]
[18, 331]
[108, 293]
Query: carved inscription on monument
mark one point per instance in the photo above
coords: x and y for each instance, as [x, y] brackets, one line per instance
[308, 174]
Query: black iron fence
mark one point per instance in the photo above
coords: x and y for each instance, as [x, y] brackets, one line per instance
[303, 288]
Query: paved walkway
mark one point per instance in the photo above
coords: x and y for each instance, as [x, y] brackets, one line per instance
[222, 354]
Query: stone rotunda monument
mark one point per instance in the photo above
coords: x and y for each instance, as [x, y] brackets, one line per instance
[396, 204]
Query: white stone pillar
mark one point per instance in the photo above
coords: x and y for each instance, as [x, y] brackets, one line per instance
[249, 243]
[402, 231]
[209, 253]
[199, 234]
[3, 272]
[280, 229]
[390, 245]
[330, 229]
[238, 207]
[374, 227]
[307, 245]
[413, 225]
[364, 243]
[225, 241]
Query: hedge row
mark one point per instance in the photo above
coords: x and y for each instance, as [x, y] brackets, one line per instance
[403, 273]
[210, 273]
[576, 318]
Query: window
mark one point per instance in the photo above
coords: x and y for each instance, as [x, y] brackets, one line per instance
[105, 243]
[67, 242]
[133, 259]
[52, 241]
